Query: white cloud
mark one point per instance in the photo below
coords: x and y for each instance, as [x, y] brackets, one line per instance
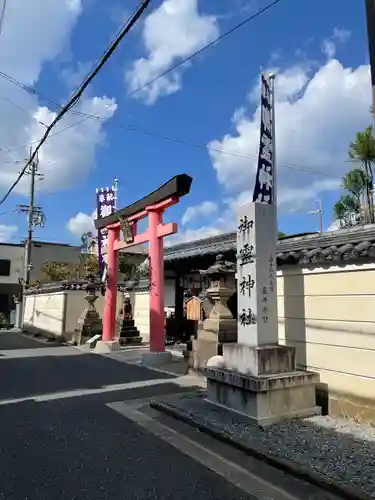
[171, 32]
[81, 223]
[290, 82]
[329, 45]
[316, 117]
[192, 235]
[204, 209]
[23, 54]
[7, 232]
[223, 223]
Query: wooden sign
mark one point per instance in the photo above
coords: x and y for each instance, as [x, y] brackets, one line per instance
[126, 231]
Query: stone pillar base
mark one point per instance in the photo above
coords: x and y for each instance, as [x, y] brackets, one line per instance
[268, 359]
[104, 346]
[154, 359]
[264, 400]
[262, 382]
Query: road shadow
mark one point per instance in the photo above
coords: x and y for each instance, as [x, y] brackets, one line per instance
[31, 376]
[10, 341]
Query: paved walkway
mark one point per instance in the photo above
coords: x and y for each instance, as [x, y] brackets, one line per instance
[78, 426]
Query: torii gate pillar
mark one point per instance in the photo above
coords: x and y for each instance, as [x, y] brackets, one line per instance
[157, 333]
[125, 220]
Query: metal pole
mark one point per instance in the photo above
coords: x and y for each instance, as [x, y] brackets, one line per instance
[320, 216]
[319, 212]
[272, 77]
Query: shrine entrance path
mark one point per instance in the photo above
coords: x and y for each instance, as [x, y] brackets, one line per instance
[78, 426]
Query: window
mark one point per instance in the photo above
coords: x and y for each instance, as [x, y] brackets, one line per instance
[4, 267]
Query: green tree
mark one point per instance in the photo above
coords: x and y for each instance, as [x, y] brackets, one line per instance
[88, 262]
[56, 271]
[355, 182]
[346, 209]
[280, 234]
[362, 151]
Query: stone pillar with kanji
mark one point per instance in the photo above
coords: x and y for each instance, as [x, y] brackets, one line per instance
[256, 375]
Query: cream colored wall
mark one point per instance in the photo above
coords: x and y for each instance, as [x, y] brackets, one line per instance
[328, 315]
[45, 312]
[58, 313]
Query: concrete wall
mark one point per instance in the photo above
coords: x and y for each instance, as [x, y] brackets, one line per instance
[50, 252]
[15, 254]
[328, 315]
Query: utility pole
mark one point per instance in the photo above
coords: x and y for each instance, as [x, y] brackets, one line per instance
[35, 217]
[319, 212]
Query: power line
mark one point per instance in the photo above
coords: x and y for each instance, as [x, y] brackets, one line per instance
[118, 34]
[205, 47]
[20, 108]
[152, 133]
[77, 95]
[160, 135]
[2, 15]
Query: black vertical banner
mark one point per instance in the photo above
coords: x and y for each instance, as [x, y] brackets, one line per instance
[370, 18]
[263, 189]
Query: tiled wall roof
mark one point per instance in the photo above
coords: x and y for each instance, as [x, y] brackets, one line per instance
[345, 244]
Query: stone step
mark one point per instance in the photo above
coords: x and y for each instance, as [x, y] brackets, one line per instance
[125, 322]
[128, 328]
[129, 333]
[136, 340]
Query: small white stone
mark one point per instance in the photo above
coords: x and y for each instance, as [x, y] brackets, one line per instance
[215, 362]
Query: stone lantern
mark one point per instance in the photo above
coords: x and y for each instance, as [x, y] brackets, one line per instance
[220, 326]
[90, 322]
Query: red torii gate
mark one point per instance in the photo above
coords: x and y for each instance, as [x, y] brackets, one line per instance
[125, 221]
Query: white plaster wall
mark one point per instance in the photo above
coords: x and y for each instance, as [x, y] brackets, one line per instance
[45, 312]
[141, 311]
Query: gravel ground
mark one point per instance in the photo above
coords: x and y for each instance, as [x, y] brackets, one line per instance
[340, 450]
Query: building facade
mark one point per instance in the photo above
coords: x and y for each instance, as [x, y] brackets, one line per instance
[12, 257]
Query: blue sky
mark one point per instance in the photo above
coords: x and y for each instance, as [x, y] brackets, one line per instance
[318, 49]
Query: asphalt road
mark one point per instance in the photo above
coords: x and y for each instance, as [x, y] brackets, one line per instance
[61, 439]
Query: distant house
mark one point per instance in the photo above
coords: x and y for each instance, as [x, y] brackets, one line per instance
[12, 257]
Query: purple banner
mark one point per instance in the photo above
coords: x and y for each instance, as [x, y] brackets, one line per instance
[105, 205]
[263, 189]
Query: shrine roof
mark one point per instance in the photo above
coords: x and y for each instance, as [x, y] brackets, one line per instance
[344, 244]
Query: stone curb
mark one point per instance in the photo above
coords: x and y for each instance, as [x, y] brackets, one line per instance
[280, 463]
